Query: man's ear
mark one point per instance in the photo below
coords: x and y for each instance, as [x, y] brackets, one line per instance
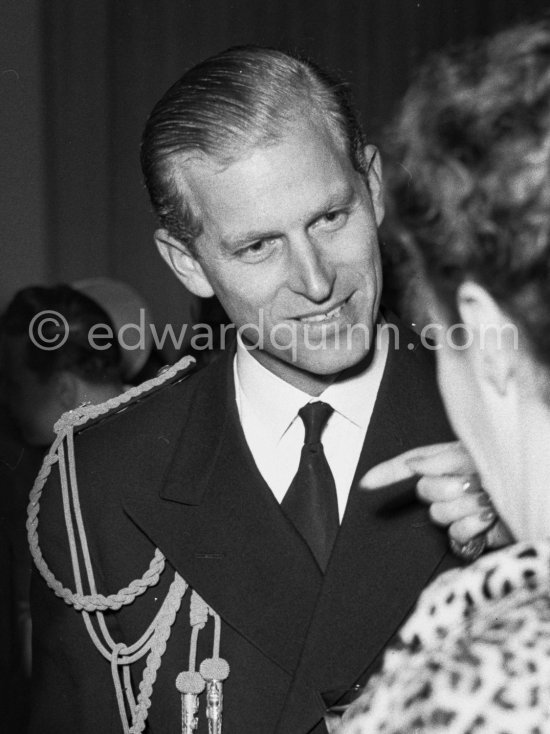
[374, 178]
[494, 335]
[185, 266]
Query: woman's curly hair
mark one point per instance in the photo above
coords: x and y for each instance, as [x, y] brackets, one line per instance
[470, 187]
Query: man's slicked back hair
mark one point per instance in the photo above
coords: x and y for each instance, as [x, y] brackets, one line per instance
[242, 98]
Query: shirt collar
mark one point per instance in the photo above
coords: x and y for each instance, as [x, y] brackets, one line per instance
[277, 403]
[354, 397]
[272, 400]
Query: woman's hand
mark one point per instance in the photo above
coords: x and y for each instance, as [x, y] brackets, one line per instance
[449, 483]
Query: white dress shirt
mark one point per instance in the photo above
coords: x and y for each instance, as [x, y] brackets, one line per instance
[268, 409]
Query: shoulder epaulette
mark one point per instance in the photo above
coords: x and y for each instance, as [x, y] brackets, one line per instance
[89, 414]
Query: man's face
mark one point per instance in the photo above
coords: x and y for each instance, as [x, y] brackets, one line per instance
[289, 246]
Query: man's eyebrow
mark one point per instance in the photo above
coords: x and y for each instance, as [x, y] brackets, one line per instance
[247, 238]
[341, 197]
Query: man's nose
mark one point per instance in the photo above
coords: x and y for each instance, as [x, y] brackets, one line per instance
[311, 272]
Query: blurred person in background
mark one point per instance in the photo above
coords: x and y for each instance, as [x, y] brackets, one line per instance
[49, 364]
[471, 198]
[139, 340]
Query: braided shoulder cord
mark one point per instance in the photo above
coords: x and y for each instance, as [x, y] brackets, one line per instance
[167, 616]
[155, 638]
[64, 427]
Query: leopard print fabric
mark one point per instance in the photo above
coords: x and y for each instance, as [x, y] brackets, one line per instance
[473, 658]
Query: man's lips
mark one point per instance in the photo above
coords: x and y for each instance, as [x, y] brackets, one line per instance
[326, 314]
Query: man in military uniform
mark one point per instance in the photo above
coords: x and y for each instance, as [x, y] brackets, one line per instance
[229, 496]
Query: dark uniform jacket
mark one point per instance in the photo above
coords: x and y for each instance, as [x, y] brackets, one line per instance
[172, 470]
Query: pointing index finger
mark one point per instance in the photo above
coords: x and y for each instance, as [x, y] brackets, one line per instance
[437, 459]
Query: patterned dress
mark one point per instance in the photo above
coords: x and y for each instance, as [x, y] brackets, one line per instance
[474, 657]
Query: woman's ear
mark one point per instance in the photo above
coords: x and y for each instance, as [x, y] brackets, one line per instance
[183, 263]
[374, 178]
[493, 332]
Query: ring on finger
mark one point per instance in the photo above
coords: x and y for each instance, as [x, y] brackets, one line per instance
[471, 485]
[471, 550]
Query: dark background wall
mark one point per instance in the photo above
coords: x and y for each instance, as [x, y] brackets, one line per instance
[22, 183]
[79, 78]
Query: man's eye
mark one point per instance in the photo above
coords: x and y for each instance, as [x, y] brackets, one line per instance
[334, 219]
[258, 250]
[257, 246]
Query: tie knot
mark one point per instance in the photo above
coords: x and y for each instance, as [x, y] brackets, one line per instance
[315, 417]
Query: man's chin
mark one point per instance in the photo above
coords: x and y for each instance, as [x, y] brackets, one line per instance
[324, 364]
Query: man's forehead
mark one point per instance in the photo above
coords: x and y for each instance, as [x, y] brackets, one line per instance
[193, 170]
[181, 163]
[183, 167]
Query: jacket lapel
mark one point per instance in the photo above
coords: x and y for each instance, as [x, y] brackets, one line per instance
[221, 528]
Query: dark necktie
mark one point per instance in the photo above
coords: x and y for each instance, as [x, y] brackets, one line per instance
[310, 502]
